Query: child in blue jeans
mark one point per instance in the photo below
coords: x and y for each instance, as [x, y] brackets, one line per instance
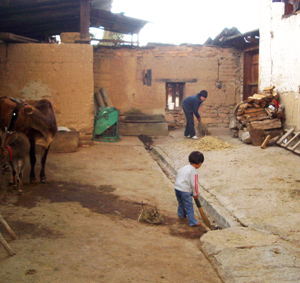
[186, 187]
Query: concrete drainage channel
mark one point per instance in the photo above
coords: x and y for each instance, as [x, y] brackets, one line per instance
[218, 215]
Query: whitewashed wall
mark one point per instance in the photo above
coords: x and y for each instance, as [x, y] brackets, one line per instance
[279, 60]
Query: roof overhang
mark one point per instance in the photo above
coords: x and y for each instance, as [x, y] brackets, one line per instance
[116, 22]
[38, 20]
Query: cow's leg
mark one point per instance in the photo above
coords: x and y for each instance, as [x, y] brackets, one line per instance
[19, 182]
[32, 161]
[43, 162]
[11, 175]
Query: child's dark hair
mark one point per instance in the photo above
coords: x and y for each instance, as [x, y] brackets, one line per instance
[196, 157]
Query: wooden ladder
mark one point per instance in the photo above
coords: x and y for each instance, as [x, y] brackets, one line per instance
[290, 140]
[10, 232]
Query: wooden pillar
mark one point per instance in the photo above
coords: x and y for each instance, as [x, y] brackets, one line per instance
[84, 19]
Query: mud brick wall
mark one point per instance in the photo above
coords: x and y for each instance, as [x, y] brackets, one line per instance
[61, 73]
[121, 69]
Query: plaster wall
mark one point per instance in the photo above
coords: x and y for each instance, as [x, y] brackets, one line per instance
[61, 73]
[279, 62]
[120, 71]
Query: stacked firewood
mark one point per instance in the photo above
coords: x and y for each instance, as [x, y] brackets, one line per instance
[260, 115]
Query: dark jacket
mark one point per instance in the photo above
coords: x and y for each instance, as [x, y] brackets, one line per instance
[191, 104]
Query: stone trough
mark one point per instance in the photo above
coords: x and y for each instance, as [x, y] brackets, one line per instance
[140, 124]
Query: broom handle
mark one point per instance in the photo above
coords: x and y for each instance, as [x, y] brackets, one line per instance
[197, 202]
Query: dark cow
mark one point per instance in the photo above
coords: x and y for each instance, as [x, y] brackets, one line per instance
[34, 118]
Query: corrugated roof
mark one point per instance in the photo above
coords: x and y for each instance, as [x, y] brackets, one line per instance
[39, 19]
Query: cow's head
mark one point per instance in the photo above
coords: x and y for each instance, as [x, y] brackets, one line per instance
[18, 117]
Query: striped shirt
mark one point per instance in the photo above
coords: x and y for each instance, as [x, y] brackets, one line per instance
[187, 180]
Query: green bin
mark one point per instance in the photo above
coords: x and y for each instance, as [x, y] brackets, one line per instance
[106, 124]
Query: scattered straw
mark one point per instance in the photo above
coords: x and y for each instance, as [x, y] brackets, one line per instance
[210, 143]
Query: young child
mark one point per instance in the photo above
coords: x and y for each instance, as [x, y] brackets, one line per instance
[186, 187]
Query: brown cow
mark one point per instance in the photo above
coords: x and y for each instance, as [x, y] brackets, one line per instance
[14, 149]
[36, 120]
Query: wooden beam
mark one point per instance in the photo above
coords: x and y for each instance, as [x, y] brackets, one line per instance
[183, 80]
[84, 19]
[10, 37]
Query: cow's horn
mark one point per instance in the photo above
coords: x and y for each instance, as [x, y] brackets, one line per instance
[17, 100]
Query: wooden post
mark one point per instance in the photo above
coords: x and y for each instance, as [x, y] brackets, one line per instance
[105, 97]
[84, 20]
[99, 100]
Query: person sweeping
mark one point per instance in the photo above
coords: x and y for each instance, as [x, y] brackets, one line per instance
[190, 107]
[186, 187]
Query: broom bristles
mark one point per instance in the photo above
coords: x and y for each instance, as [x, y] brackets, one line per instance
[202, 129]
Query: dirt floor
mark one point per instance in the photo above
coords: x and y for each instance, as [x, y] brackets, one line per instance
[83, 226]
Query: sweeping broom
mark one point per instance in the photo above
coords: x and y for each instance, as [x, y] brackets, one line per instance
[202, 129]
[203, 215]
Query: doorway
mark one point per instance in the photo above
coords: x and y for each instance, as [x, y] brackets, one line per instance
[251, 64]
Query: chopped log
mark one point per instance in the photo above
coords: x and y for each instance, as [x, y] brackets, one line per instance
[265, 124]
[254, 110]
[256, 97]
[264, 144]
[269, 89]
[269, 112]
[275, 95]
[256, 105]
[273, 140]
[250, 118]
[257, 136]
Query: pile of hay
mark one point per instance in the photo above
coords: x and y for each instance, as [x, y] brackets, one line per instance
[151, 215]
[208, 143]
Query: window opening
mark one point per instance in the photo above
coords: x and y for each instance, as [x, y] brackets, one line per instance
[174, 93]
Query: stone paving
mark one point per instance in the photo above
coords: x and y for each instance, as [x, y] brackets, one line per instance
[254, 195]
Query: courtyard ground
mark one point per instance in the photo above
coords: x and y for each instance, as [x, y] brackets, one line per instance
[82, 226]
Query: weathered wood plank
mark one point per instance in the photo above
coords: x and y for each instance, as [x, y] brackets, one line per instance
[285, 135]
[266, 124]
[84, 19]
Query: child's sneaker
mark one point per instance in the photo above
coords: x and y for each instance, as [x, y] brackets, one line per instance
[196, 225]
[195, 137]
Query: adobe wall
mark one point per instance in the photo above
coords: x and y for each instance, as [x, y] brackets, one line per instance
[120, 71]
[279, 60]
[61, 73]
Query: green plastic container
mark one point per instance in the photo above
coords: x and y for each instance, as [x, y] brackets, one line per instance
[106, 124]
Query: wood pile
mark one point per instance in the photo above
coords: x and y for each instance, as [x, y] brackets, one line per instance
[258, 117]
